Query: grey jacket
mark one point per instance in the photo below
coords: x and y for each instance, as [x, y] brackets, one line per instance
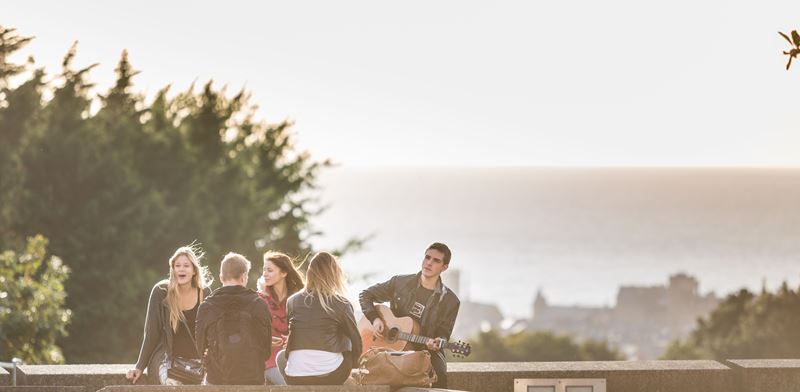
[158, 333]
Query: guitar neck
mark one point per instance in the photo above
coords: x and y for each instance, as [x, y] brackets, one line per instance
[421, 339]
[412, 338]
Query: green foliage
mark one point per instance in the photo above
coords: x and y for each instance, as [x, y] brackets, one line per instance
[745, 325]
[538, 346]
[117, 183]
[32, 313]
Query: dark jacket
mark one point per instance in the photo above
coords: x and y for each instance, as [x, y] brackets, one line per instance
[312, 328]
[441, 309]
[157, 332]
[211, 310]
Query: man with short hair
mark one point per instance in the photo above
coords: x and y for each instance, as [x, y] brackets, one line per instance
[424, 298]
[233, 324]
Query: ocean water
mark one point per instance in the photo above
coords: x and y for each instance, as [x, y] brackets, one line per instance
[575, 234]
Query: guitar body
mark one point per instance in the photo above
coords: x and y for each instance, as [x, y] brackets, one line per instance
[393, 326]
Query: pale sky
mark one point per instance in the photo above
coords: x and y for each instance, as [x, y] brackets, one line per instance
[457, 83]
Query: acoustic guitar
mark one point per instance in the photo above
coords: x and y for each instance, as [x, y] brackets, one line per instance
[400, 333]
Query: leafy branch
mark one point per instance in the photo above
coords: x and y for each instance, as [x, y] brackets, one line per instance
[795, 43]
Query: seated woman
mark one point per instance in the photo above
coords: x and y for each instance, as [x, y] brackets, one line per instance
[279, 281]
[171, 312]
[324, 343]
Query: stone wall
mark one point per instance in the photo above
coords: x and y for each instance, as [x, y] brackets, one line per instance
[620, 376]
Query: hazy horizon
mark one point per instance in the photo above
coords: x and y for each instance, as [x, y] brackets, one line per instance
[577, 234]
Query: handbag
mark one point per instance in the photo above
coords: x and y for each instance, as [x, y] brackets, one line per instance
[189, 371]
[383, 366]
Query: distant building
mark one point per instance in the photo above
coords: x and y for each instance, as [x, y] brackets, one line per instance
[643, 322]
[473, 317]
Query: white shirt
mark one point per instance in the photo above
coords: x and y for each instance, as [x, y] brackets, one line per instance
[312, 363]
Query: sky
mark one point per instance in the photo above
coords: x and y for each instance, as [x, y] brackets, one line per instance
[459, 83]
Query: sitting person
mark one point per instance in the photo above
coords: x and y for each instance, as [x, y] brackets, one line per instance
[279, 281]
[234, 325]
[324, 343]
[171, 311]
[424, 298]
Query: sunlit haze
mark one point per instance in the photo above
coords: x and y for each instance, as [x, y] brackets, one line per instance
[619, 82]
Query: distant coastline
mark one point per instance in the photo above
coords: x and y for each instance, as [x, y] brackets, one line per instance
[576, 233]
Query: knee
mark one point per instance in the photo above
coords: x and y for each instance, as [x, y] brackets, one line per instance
[280, 361]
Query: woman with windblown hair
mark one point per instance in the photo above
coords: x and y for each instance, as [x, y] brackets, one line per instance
[278, 282]
[171, 313]
[324, 343]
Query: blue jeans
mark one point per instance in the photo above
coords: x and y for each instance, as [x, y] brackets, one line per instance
[274, 376]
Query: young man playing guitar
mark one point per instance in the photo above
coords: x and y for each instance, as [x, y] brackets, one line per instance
[424, 298]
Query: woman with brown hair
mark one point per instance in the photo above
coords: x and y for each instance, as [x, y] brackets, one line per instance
[279, 281]
[171, 312]
[324, 343]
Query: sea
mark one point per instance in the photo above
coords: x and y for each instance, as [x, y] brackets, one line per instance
[573, 234]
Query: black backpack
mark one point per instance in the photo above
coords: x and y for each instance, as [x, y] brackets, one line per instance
[235, 351]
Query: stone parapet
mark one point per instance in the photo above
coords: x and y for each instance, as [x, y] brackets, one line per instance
[756, 375]
[741, 375]
[620, 376]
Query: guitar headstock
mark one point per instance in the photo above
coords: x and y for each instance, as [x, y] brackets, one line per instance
[459, 349]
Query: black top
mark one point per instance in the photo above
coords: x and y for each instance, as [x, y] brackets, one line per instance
[183, 343]
[421, 298]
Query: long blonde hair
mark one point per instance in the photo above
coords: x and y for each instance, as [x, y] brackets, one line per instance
[200, 280]
[325, 280]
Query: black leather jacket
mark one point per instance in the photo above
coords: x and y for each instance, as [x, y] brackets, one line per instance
[312, 328]
[441, 310]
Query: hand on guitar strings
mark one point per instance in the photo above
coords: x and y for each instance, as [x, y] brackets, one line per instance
[377, 329]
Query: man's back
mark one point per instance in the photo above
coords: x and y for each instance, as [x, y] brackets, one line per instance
[233, 325]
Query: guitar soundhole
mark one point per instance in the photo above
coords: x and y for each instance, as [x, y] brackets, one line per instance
[391, 336]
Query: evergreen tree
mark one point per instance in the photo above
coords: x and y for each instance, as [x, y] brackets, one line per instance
[117, 183]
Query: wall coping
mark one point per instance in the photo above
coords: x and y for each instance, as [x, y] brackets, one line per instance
[35, 370]
[585, 366]
[765, 363]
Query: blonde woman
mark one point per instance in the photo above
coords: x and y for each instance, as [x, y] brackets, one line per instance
[324, 343]
[278, 282]
[171, 313]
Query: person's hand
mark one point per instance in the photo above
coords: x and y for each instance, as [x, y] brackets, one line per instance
[377, 329]
[433, 344]
[133, 375]
[277, 341]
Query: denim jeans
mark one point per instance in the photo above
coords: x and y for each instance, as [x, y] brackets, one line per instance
[274, 377]
[163, 371]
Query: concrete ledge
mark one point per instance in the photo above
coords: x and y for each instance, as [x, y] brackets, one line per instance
[41, 389]
[755, 375]
[92, 377]
[247, 388]
[621, 376]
